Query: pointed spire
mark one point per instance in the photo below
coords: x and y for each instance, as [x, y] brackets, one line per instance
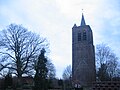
[83, 20]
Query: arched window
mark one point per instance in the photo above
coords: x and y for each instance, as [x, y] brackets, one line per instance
[79, 36]
[84, 36]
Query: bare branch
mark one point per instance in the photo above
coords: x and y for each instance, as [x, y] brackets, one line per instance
[8, 55]
[21, 47]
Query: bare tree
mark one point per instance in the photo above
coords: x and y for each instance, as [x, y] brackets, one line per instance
[102, 54]
[67, 73]
[19, 48]
[102, 73]
[67, 76]
[105, 56]
[112, 65]
[51, 74]
[51, 70]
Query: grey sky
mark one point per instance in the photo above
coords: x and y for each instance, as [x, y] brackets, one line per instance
[54, 20]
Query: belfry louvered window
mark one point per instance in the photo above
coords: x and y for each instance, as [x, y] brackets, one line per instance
[79, 36]
[84, 36]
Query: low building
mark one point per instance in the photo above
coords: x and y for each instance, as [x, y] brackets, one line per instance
[106, 85]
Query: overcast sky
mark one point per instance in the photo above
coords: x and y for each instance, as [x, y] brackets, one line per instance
[54, 20]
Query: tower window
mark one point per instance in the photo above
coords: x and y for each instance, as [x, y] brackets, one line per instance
[84, 36]
[79, 36]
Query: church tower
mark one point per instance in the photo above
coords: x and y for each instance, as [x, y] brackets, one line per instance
[83, 55]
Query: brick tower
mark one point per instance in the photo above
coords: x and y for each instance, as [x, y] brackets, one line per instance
[83, 55]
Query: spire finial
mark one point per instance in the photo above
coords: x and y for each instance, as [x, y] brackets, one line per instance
[83, 20]
[82, 10]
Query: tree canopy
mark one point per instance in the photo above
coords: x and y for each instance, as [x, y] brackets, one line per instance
[67, 73]
[106, 62]
[19, 48]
